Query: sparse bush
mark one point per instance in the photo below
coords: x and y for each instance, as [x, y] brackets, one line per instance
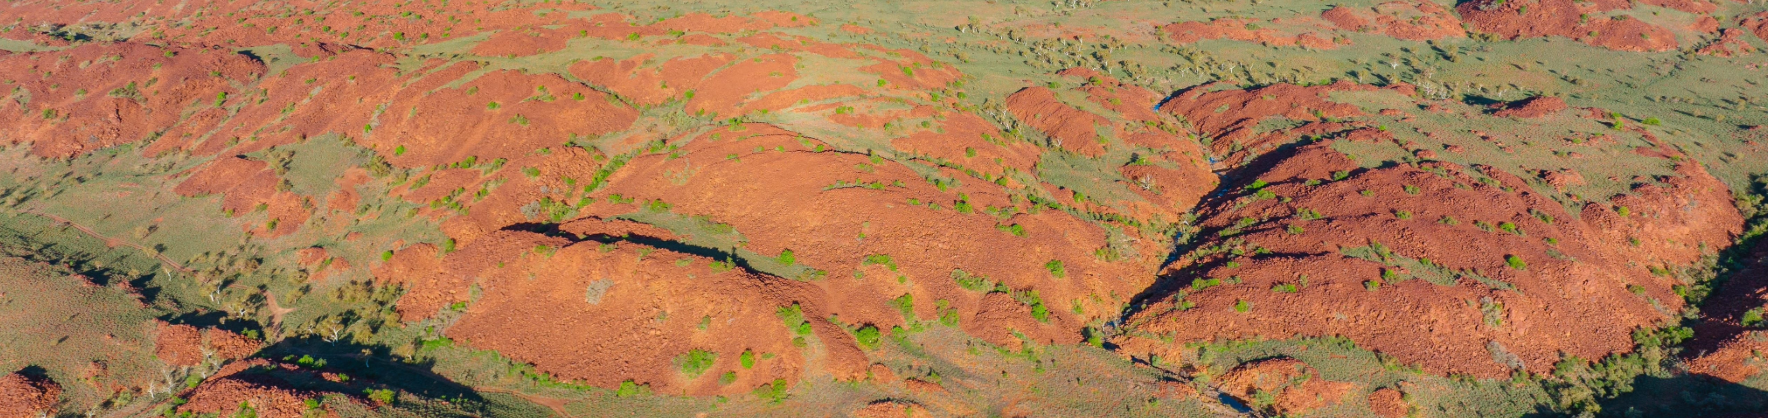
[1752, 318]
[906, 304]
[696, 362]
[880, 259]
[867, 336]
[384, 396]
[1515, 262]
[948, 315]
[772, 392]
[630, 388]
[972, 282]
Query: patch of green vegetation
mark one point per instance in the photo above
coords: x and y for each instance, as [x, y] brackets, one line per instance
[695, 362]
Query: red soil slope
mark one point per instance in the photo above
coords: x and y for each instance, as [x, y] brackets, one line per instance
[1415, 21]
[1230, 118]
[1576, 286]
[1725, 347]
[94, 95]
[1276, 32]
[246, 384]
[27, 397]
[1514, 19]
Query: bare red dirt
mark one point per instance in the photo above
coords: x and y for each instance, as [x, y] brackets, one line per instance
[1506, 299]
[27, 397]
[1729, 43]
[244, 384]
[1276, 32]
[1295, 387]
[185, 345]
[1757, 24]
[749, 190]
[1230, 118]
[179, 345]
[1388, 403]
[1533, 107]
[603, 315]
[1069, 128]
[94, 95]
[249, 186]
[1724, 346]
[1514, 19]
[892, 409]
[229, 345]
[1415, 20]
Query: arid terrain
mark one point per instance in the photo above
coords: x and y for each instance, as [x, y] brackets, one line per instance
[999, 208]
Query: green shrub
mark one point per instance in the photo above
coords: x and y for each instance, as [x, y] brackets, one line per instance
[794, 319]
[881, 259]
[1752, 318]
[1056, 269]
[867, 336]
[696, 362]
[1015, 229]
[906, 304]
[772, 392]
[385, 396]
[1242, 306]
[948, 315]
[1509, 227]
[787, 258]
[971, 282]
[747, 359]
[629, 389]
[1515, 262]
